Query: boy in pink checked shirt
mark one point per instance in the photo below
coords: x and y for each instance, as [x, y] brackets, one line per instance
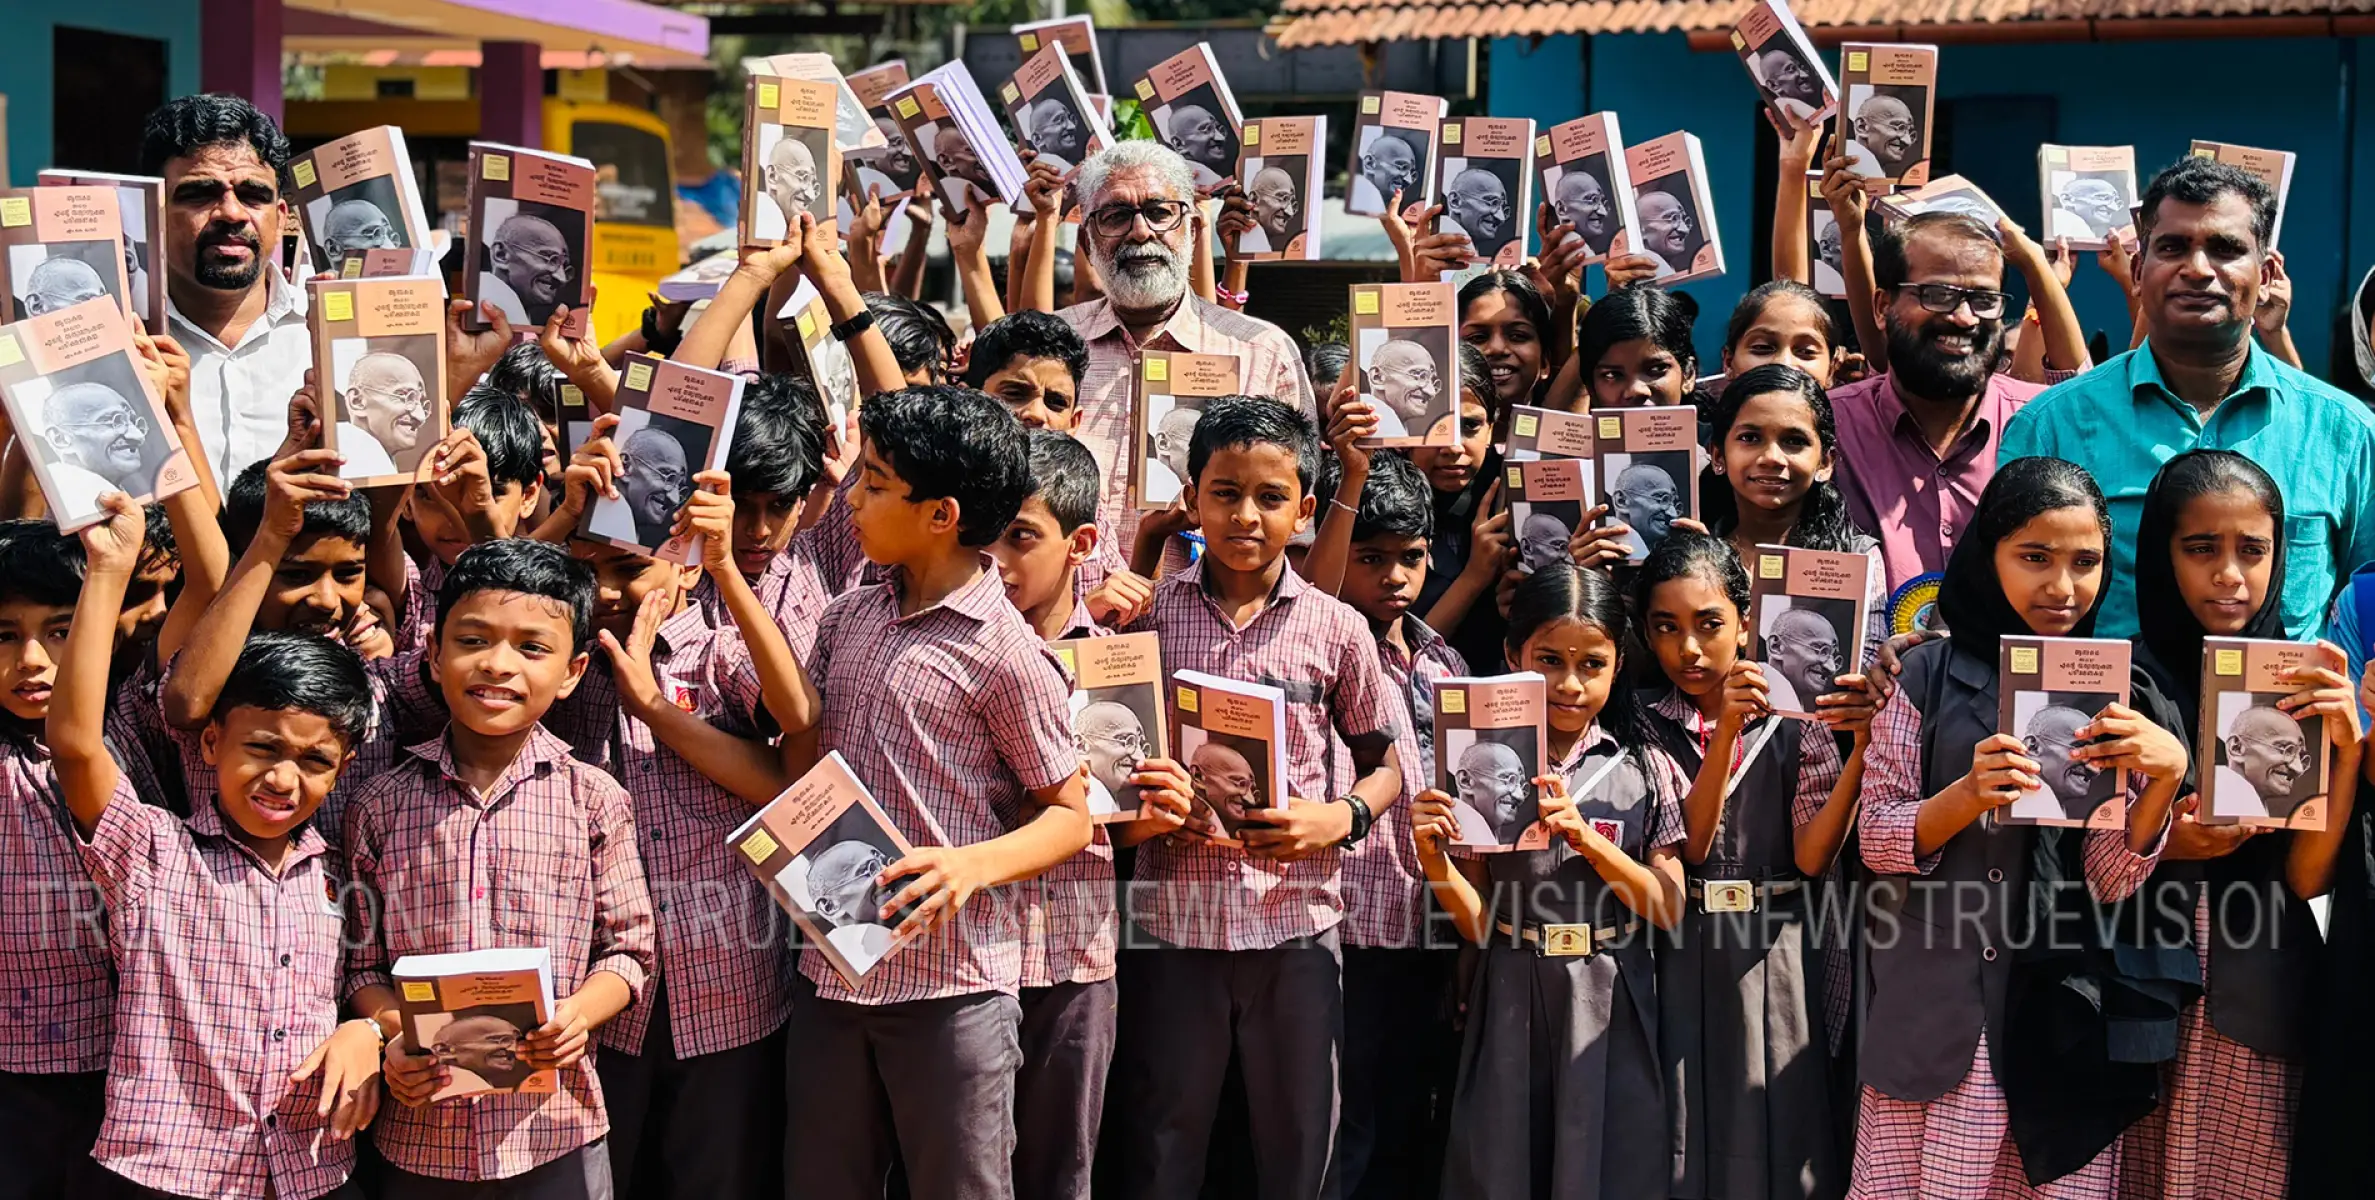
[946, 706]
[491, 837]
[231, 1076]
[1238, 949]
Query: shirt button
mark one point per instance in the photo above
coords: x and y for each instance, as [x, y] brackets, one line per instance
[1995, 875]
[647, 766]
[1988, 954]
[284, 960]
[660, 906]
[659, 835]
[279, 1034]
[271, 1120]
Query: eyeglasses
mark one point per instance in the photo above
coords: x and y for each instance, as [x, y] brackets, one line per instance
[116, 423]
[1946, 297]
[543, 262]
[1162, 216]
[2291, 752]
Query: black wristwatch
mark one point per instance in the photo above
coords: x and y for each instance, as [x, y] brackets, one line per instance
[656, 342]
[1362, 820]
[845, 330]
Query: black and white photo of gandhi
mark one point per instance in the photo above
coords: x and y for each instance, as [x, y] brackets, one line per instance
[531, 258]
[1884, 129]
[2049, 723]
[793, 179]
[481, 1044]
[661, 455]
[893, 167]
[1111, 727]
[850, 122]
[1579, 197]
[1670, 228]
[1644, 495]
[1054, 131]
[1274, 190]
[360, 216]
[56, 276]
[2267, 760]
[1196, 126]
[1230, 775]
[835, 376]
[1389, 160]
[1488, 775]
[1544, 530]
[133, 204]
[960, 170]
[1785, 80]
[94, 432]
[836, 882]
[1803, 641]
[2088, 205]
[1170, 423]
[383, 402]
[1830, 274]
[1403, 376]
[1479, 200]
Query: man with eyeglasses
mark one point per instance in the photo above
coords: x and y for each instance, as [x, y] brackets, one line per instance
[656, 483]
[2266, 755]
[1271, 194]
[355, 226]
[61, 283]
[527, 266]
[1476, 204]
[2199, 380]
[98, 443]
[384, 404]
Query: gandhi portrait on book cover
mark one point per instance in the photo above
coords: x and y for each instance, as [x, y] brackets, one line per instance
[95, 434]
[2267, 758]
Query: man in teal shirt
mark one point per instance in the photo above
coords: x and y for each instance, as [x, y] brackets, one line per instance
[2199, 381]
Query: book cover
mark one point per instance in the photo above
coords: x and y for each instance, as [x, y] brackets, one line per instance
[2051, 688]
[1193, 111]
[1232, 740]
[1582, 164]
[1489, 735]
[1538, 433]
[701, 280]
[60, 246]
[359, 204]
[1789, 76]
[1173, 388]
[1051, 110]
[2274, 167]
[675, 421]
[1280, 168]
[531, 221]
[956, 141]
[874, 85]
[2089, 193]
[140, 210]
[1810, 611]
[1393, 149]
[1947, 193]
[1646, 469]
[1677, 214]
[84, 412]
[789, 152]
[473, 1012]
[1547, 499]
[1824, 251]
[1886, 110]
[825, 358]
[1076, 36]
[1487, 185]
[2257, 764]
[379, 370]
[1405, 340]
[819, 848]
[889, 170]
[1117, 715]
[853, 126]
[577, 419]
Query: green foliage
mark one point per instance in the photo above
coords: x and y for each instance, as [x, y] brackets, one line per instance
[1338, 330]
[1131, 123]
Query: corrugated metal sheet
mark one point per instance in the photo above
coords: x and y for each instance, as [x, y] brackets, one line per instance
[1337, 22]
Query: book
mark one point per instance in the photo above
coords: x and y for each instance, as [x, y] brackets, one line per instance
[1117, 715]
[1188, 100]
[701, 280]
[1547, 499]
[956, 140]
[874, 85]
[140, 211]
[576, 418]
[1789, 76]
[2050, 689]
[890, 169]
[1487, 185]
[1825, 255]
[1582, 164]
[1538, 433]
[1947, 193]
[85, 414]
[1886, 110]
[1646, 470]
[2089, 194]
[1676, 212]
[1809, 612]
[1405, 347]
[1076, 36]
[819, 848]
[1051, 110]
[1281, 170]
[1489, 738]
[473, 1011]
[1393, 149]
[359, 204]
[675, 421]
[2274, 167]
[379, 371]
[822, 355]
[2256, 763]
[60, 246]
[531, 221]
[790, 156]
[853, 126]
[1173, 388]
[1232, 740]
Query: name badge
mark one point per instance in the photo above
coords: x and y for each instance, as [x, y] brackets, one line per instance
[1566, 941]
[1730, 896]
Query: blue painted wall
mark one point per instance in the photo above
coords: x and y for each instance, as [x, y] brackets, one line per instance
[2299, 100]
[25, 61]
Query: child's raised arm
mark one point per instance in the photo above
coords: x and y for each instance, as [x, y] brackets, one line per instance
[877, 368]
[87, 772]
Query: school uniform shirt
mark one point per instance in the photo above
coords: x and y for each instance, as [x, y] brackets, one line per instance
[143, 744]
[416, 615]
[228, 982]
[795, 589]
[1071, 929]
[1385, 891]
[54, 965]
[1320, 652]
[546, 857]
[950, 717]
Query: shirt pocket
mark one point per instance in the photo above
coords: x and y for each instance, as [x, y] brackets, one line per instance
[2308, 564]
[545, 895]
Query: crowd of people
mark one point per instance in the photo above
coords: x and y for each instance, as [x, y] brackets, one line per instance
[275, 733]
